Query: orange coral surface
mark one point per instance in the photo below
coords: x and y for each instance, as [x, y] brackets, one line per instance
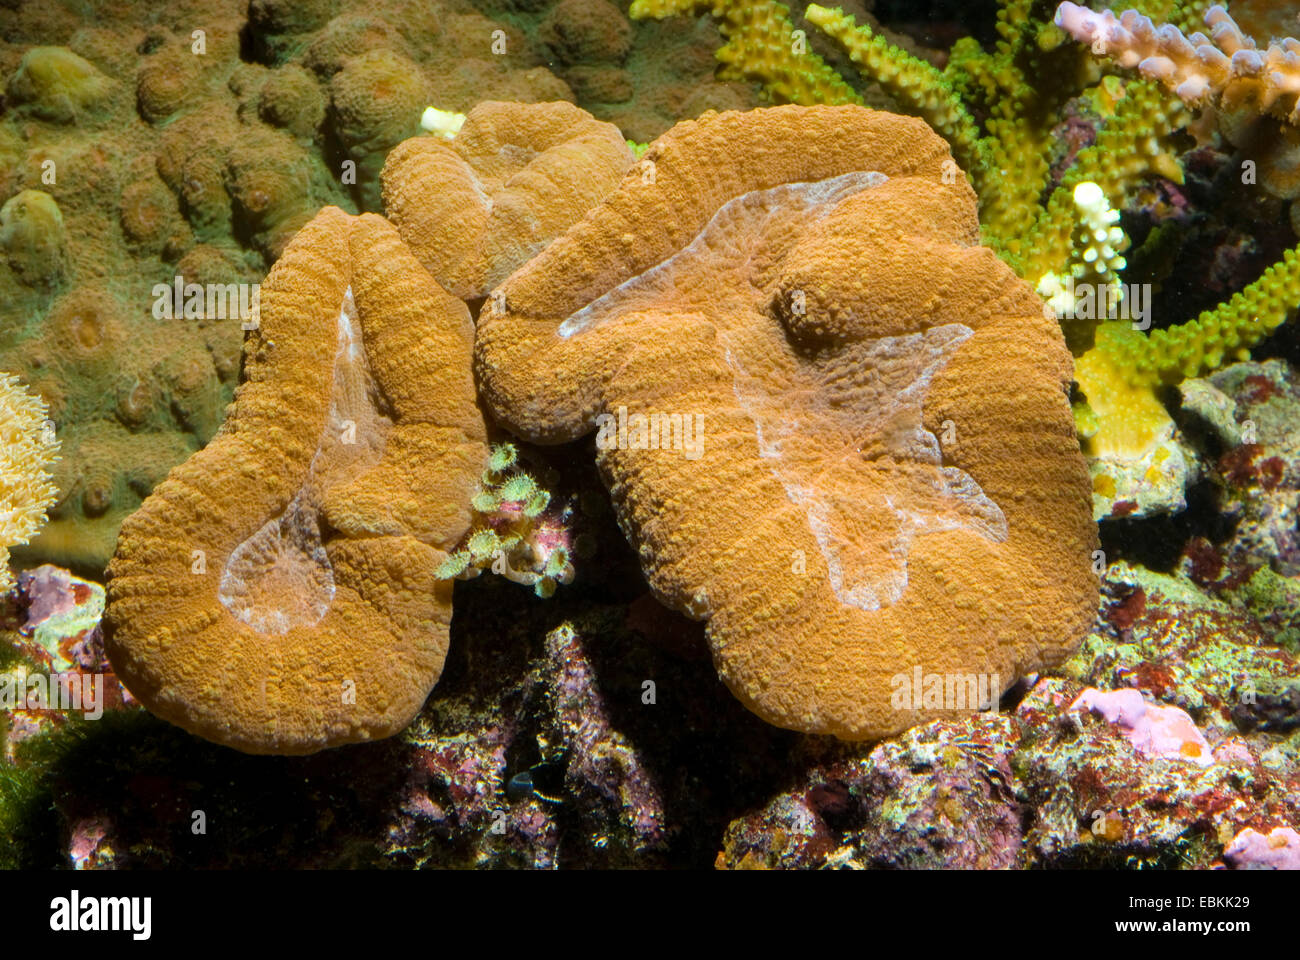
[276, 593]
[834, 426]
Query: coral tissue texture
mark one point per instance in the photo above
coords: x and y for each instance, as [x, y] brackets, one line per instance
[276, 592]
[834, 426]
[515, 177]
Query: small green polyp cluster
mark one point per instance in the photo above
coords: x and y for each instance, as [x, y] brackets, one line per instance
[517, 488]
[513, 534]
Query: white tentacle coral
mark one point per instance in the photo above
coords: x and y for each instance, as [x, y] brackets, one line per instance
[27, 448]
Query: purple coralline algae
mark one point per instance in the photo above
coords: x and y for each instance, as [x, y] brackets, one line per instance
[1153, 731]
[1252, 850]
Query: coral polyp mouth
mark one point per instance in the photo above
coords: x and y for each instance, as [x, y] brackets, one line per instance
[281, 577]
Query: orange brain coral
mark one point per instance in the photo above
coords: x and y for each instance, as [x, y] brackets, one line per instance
[515, 177]
[834, 426]
[276, 593]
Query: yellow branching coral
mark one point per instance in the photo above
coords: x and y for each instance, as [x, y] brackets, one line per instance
[1120, 374]
[920, 87]
[1020, 88]
[762, 45]
[27, 448]
[1129, 148]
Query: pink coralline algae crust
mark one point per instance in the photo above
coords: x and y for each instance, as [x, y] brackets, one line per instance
[606, 774]
[452, 808]
[54, 617]
[1252, 850]
[1217, 660]
[89, 847]
[1153, 730]
[49, 591]
[1097, 801]
[462, 802]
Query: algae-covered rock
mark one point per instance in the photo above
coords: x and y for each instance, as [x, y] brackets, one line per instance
[939, 797]
[1099, 801]
[1167, 638]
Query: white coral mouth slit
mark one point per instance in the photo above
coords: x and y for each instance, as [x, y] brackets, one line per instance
[281, 577]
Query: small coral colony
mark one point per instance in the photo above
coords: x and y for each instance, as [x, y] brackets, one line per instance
[922, 347]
